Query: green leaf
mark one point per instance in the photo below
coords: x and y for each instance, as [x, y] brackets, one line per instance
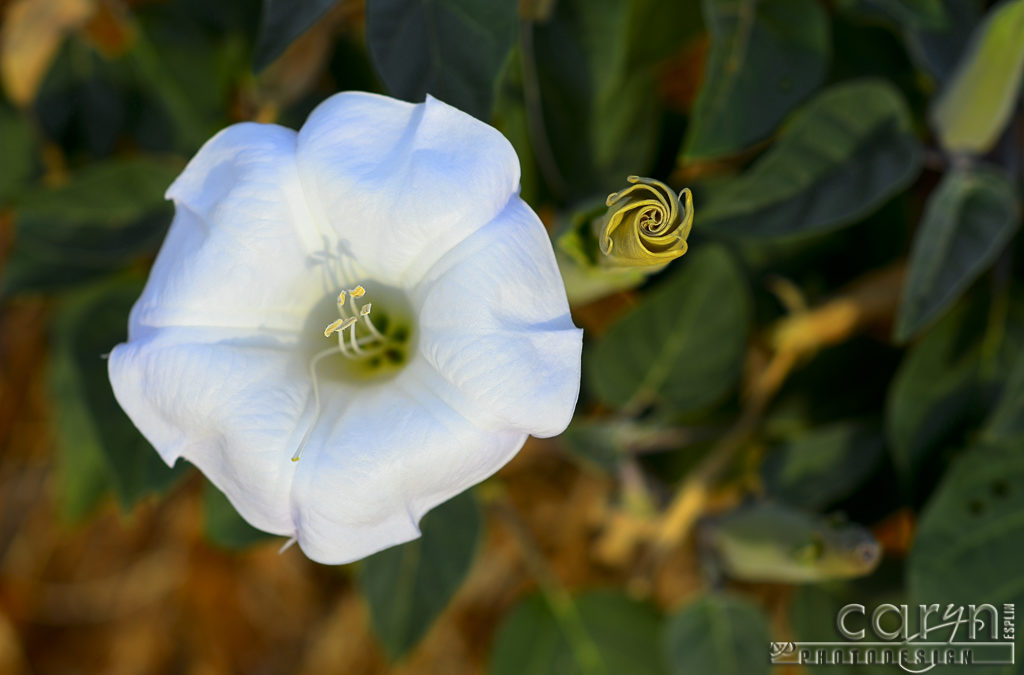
[222, 524]
[191, 73]
[19, 159]
[824, 465]
[970, 539]
[934, 389]
[948, 383]
[683, 344]
[766, 56]
[937, 50]
[596, 632]
[106, 193]
[840, 157]
[967, 221]
[591, 90]
[976, 104]
[913, 13]
[720, 634]
[104, 217]
[281, 22]
[452, 49]
[90, 423]
[409, 585]
[1007, 420]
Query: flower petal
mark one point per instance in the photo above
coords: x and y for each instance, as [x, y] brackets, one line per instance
[230, 406]
[377, 463]
[401, 184]
[494, 322]
[237, 253]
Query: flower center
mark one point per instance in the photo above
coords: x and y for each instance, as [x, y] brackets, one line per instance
[372, 347]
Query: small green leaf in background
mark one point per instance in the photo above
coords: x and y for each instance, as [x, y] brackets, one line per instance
[1007, 420]
[683, 345]
[222, 524]
[823, 465]
[718, 634]
[90, 423]
[967, 221]
[766, 56]
[976, 104]
[281, 22]
[970, 541]
[592, 88]
[935, 388]
[19, 159]
[838, 159]
[105, 216]
[949, 382]
[938, 50]
[452, 49]
[610, 634]
[912, 14]
[408, 586]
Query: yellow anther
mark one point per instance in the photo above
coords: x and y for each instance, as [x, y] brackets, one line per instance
[338, 325]
[358, 292]
[341, 299]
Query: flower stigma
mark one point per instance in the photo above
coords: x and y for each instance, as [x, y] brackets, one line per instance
[373, 350]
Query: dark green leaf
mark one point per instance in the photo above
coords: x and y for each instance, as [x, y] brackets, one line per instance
[720, 634]
[90, 422]
[928, 14]
[970, 540]
[839, 158]
[824, 465]
[105, 216]
[968, 220]
[683, 344]
[946, 385]
[18, 154]
[409, 585]
[82, 102]
[597, 632]
[938, 50]
[281, 22]
[223, 526]
[591, 92]
[105, 193]
[452, 49]
[1007, 420]
[190, 73]
[765, 56]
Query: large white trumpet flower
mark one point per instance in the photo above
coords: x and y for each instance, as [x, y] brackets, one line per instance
[349, 324]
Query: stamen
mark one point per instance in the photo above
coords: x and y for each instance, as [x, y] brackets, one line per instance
[358, 292]
[341, 301]
[338, 325]
[352, 337]
[365, 310]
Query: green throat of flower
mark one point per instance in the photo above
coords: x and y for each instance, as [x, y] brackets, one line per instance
[372, 347]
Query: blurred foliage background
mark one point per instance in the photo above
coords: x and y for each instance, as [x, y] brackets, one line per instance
[844, 335]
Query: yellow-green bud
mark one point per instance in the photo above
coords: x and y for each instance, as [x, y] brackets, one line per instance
[646, 224]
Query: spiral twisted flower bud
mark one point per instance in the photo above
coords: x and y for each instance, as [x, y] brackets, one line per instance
[646, 224]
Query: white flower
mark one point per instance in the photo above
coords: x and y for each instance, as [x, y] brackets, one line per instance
[467, 349]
